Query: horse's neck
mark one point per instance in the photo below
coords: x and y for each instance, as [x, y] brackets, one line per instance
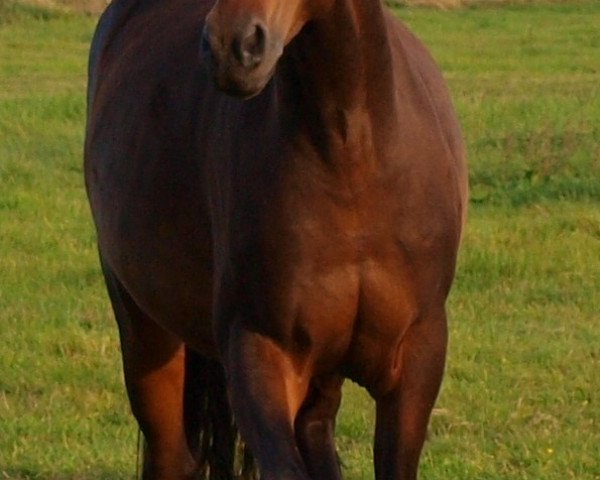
[341, 66]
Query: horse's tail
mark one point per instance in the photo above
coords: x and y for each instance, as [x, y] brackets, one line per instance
[210, 428]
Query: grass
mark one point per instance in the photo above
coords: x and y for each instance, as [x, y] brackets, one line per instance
[520, 398]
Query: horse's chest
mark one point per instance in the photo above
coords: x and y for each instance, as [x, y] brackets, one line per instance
[350, 296]
[326, 267]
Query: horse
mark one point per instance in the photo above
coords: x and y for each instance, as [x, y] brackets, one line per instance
[278, 189]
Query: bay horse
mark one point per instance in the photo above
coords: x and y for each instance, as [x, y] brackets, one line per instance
[279, 189]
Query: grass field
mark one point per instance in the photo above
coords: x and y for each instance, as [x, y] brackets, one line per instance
[520, 398]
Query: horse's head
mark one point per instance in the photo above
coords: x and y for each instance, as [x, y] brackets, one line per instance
[243, 39]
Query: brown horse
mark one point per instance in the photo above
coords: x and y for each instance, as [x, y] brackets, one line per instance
[279, 189]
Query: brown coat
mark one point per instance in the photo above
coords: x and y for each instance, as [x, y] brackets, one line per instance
[299, 236]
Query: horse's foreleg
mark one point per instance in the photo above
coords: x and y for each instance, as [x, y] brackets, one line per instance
[315, 427]
[266, 393]
[403, 413]
[153, 363]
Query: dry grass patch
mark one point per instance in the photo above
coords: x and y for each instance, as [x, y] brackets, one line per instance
[95, 7]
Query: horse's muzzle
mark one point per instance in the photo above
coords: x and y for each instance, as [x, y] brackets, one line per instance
[242, 60]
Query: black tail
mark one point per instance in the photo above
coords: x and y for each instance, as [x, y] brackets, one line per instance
[210, 427]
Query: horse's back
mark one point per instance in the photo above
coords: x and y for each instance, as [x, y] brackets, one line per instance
[114, 16]
[421, 82]
[145, 40]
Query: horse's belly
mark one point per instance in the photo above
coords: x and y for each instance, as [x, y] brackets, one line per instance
[177, 295]
[164, 262]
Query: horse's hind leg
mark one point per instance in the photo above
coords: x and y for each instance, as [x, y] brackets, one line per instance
[153, 364]
[315, 427]
[211, 432]
[403, 413]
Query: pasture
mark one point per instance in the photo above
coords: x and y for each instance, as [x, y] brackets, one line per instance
[520, 397]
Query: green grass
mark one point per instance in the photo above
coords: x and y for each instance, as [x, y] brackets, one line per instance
[520, 398]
